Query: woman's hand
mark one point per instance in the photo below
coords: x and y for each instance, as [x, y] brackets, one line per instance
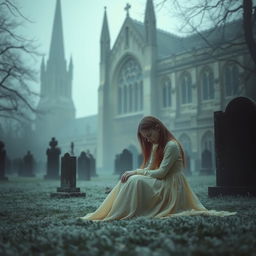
[126, 175]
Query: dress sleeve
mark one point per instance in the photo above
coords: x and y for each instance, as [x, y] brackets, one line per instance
[171, 154]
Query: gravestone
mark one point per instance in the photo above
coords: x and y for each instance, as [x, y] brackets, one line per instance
[92, 164]
[206, 163]
[125, 161]
[83, 166]
[28, 165]
[68, 179]
[235, 147]
[53, 160]
[2, 162]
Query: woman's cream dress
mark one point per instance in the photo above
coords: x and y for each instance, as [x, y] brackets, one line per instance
[159, 193]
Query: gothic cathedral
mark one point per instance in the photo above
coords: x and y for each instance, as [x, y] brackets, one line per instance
[177, 79]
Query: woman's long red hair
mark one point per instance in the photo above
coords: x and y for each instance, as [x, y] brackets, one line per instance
[151, 122]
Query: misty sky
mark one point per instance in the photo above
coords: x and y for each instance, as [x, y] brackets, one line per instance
[82, 21]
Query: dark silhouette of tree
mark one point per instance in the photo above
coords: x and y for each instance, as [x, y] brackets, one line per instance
[16, 74]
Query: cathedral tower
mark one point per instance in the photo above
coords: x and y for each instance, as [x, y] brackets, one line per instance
[103, 98]
[56, 105]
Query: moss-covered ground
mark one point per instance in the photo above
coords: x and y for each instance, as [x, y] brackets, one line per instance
[33, 223]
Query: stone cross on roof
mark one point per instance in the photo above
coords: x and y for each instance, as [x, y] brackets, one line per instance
[127, 7]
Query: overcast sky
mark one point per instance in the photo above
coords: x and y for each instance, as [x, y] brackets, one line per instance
[82, 21]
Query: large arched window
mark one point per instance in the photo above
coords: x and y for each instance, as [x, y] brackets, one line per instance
[166, 92]
[207, 84]
[130, 87]
[186, 88]
[231, 79]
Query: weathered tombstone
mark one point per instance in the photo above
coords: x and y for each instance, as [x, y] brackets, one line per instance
[125, 161]
[206, 163]
[83, 166]
[2, 162]
[92, 164]
[28, 165]
[53, 160]
[235, 144]
[68, 178]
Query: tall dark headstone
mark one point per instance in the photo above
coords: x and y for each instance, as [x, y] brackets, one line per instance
[83, 166]
[206, 163]
[235, 146]
[2, 162]
[53, 160]
[125, 161]
[68, 178]
[28, 165]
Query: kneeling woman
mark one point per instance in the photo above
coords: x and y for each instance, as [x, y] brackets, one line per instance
[160, 188]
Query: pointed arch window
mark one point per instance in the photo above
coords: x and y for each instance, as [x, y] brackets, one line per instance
[207, 84]
[231, 79]
[130, 87]
[186, 88]
[166, 93]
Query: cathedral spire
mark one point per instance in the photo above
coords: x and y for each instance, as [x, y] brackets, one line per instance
[150, 23]
[57, 42]
[105, 37]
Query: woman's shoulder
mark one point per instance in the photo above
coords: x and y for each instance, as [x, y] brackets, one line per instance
[171, 144]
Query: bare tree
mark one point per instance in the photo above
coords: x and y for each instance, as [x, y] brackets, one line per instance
[200, 15]
[16, 74]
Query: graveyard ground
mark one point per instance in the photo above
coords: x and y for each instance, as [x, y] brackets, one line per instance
[32, 223]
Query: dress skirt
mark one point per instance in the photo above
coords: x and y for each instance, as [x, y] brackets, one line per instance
[150, 197]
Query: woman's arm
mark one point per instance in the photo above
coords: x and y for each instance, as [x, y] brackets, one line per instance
[171, 154]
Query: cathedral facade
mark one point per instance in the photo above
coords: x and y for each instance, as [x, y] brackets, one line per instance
[180, 80]
[147, 71]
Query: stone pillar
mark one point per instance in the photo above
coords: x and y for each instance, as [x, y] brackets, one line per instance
[53, 160]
